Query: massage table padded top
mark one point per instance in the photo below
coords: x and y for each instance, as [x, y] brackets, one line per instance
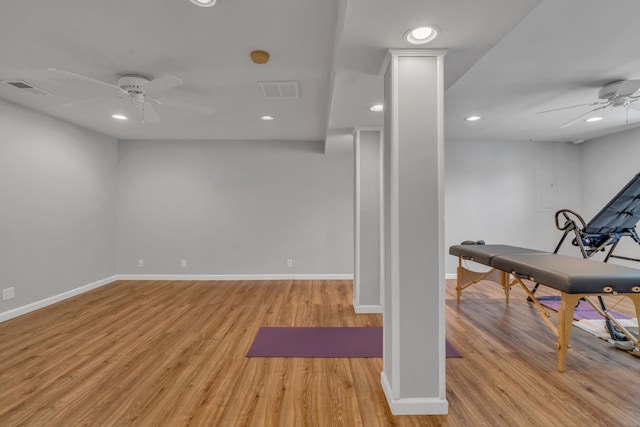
[569, 274]
[485, 253]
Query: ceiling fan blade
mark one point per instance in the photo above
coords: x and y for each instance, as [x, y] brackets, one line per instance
[629, 87]
[633, 104]
[85, 78]
[582, 115]
[149, 114]
[194, 108]
[591, 104]
[161, 84]
[82, 103]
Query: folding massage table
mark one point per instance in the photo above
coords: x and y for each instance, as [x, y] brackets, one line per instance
[575, 278]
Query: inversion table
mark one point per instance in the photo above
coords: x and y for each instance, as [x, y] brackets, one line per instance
[575, 278]
[616, 220]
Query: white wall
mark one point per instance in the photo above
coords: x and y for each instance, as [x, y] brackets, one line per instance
[609, 164]
[57, 206]
[508, 192]
[234, 208]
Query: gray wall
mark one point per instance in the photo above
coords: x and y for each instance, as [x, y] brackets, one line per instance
[234, 208]
[57, 214]
[508, 192]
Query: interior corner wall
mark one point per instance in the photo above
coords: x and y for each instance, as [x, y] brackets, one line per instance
[609, 164]
[508, 192]
[57, 206]
[234, 208]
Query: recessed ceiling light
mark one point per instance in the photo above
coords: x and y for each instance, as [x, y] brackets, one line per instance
[204, 3]
[377, 108]
[593, 119]
[422, 34]
[119, 117]
[472, 118]
[267, 118]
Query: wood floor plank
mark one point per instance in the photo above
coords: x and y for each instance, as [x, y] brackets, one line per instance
[173, 353]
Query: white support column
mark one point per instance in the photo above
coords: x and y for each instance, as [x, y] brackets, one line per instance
[368, 291]
[413, 378]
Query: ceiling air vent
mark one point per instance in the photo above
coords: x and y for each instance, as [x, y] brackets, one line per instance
[18, 84]
[285, 90]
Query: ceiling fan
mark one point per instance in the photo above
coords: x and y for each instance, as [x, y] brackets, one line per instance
[140, 91]
[614, 94]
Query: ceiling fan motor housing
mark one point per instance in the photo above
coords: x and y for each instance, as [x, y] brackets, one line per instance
[132, 84]
[612, 90]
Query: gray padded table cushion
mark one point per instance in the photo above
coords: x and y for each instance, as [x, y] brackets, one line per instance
[484, 253]
[569, 274]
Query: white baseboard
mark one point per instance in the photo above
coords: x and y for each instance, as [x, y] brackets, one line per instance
[363, 309]
[413, 406]
[19, 311]
[234, 277]
[450, 276]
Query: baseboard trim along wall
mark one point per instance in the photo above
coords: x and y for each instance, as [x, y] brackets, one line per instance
[234, 277]
[19, 311]
[450, 276]
[364, 309]
[413, 406]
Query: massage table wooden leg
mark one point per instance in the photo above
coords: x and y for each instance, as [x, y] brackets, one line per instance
[565, 323]
[466, 278]
[459, 281]
[636, 302]
[506, 285]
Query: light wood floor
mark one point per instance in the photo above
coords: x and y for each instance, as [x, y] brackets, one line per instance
[172, 353]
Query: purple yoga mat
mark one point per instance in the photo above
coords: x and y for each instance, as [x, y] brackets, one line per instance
[583, 310]
[322, 342]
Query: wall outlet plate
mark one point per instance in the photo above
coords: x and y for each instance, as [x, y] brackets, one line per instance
[140, 263]
[8, 293]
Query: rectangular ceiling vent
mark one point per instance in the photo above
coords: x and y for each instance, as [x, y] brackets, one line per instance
[284, 90]
[18, 84]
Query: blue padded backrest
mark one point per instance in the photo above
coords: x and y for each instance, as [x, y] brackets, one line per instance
[621, 213]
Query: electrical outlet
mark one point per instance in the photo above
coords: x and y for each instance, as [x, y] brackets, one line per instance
[8, 293]
[183, 263]
[289, 262]
[140, 263]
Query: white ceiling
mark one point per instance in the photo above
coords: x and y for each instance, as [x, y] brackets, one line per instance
[507, 60]
[208, 48]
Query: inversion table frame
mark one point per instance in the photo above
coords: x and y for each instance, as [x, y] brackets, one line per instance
[575, 278]
[616, 220]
